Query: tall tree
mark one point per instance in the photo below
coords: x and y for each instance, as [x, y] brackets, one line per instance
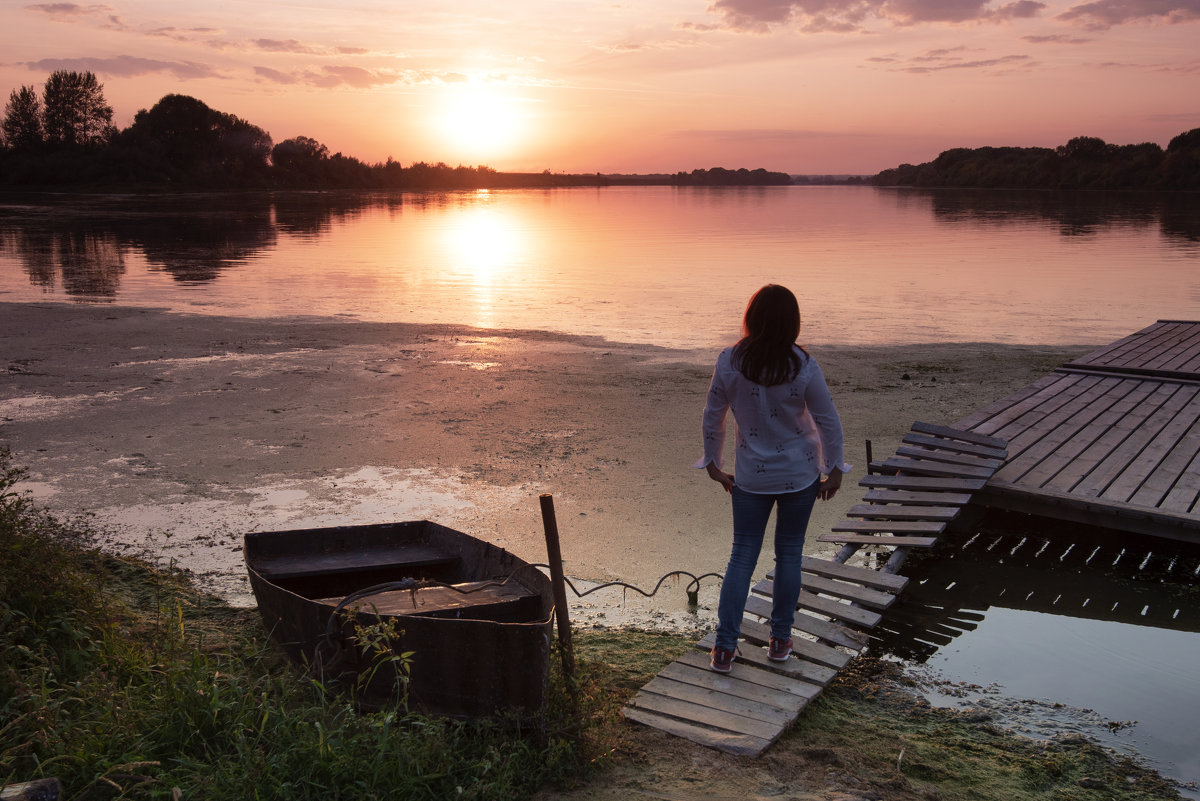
[191, 141]
[23, 119]
[74, 110]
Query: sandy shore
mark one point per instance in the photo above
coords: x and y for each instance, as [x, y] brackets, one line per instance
[181, 432]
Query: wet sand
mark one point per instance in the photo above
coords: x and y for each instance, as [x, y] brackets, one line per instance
[181, 432]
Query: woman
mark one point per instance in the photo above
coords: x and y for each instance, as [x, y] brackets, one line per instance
[788, 435]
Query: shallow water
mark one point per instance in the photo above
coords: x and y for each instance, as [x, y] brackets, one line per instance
[1050, 628]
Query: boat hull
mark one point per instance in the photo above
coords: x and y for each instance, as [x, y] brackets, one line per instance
[476, 648]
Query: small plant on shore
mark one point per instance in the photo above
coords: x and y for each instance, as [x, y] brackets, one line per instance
[123, 681]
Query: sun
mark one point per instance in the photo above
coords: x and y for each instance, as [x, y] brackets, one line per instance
[477, 122]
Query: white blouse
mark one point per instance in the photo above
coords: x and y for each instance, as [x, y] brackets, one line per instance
[787, 435]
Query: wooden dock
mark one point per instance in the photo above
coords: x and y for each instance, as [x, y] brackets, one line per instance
[1073, 573]
[1110, 439]
[931, 478]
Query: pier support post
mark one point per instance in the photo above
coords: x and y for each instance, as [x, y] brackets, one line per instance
[558, 583]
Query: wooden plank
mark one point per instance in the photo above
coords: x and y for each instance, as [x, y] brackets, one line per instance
[931, 468]
[1184, 497]
[766, 712]
[1164, 348]
[1096, 512]
[889, 582]
[850, 591]
[949, 457]
[1159, 446]
[829, 607]
[1120, 350]
[729, 742]
[985, 418]
[705, 715]
[829, 632]
[758, 633]
[1133, 447]
[396, 557]
[924, 483]
[918, 497]
[1184, 359]
[957, 433]
[1055, 403]
[954, 445]
[754, 660]
[487, 598]
[880, 539]
[903, 512]
[1104, 446]
[769, 683]
[1053, 391]
[890, 526]
[1054, 441]
[786, 704]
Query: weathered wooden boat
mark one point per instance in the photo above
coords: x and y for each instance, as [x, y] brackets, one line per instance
[476, 619]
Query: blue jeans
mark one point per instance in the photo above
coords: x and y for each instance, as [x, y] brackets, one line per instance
[750, 514]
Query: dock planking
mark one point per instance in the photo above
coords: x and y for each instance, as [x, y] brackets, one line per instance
[747, 710]
[1111, 438]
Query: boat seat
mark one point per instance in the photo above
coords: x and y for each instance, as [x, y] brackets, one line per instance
[476, 600]
[396, 558]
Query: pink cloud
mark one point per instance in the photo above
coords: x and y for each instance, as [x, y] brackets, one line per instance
[1103, 14]
[127, 67]
[848, 15]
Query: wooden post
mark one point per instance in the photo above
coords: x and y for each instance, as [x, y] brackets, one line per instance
[558, 583]
[870, 457]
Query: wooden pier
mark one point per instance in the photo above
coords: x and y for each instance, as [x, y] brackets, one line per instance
[932, 477]
[1110, 439]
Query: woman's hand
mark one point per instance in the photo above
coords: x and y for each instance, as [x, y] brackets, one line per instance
[720, 476]
[830, 485]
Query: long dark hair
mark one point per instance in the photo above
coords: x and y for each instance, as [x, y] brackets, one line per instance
[766, 353]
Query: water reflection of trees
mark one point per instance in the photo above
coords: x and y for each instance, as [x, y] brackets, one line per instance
[1015, 562]
[90, 264]
[192, 238]
[1081, 213]
[313, 214]
[198, 247]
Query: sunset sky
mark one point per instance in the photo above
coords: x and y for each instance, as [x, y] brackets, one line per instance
[802, 86]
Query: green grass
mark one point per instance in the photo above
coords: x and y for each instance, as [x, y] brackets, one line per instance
[122, 681]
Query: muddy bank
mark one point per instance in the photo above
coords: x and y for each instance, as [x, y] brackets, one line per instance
[182, 432]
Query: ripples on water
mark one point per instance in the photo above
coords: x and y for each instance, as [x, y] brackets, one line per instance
[669, 266]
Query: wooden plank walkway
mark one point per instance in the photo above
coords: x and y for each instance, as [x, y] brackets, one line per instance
[1111, 438]
[745, 711]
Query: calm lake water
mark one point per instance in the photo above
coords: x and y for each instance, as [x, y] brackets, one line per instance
[657, 265]
[674, 267]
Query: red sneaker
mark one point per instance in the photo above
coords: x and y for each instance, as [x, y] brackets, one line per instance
[721, 660]
[779, 650]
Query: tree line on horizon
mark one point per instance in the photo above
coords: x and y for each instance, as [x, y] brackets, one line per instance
[1085, 162]
[64, 136]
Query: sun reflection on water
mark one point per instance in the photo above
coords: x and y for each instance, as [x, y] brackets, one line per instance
[482, 241]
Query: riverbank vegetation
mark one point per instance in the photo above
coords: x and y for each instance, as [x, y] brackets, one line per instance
[1085, 162]
[64, 136]
[121, 680]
